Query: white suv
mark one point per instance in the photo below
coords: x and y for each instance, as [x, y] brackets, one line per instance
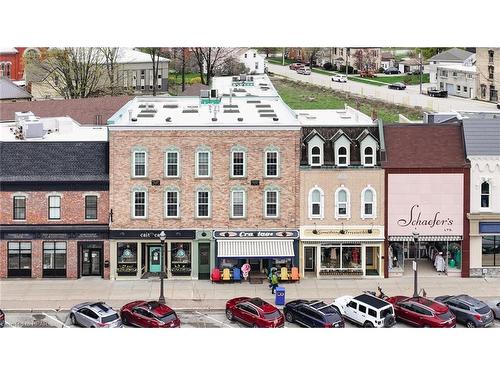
[366, 310]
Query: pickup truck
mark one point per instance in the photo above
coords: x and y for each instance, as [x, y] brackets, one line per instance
[437, 93]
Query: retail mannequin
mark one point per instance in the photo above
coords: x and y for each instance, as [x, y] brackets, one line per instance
[439, 263]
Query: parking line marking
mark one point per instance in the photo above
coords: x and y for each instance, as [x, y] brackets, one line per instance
[57, 320]
[215, 320]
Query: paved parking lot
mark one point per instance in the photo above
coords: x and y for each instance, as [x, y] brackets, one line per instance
[189, 319]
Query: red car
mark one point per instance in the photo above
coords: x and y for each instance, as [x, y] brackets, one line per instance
[295, 66]
[149, 315]
[254, 312]
[422, 312]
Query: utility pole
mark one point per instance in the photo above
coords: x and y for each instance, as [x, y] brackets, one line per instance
[420, 57]
[346, 64]
[283, 57]
[417, 243]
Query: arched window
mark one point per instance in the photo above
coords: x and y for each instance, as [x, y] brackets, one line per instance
[316, 203]
[342, 156]
[7, 70]
[316, 156]
[369, 159]
[342, 203]
[2, 67]
[485, 195]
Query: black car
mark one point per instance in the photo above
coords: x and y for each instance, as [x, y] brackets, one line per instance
[434, 92]
[397, 86]
[313, 314]
[2, 319]
[468, 310]
[391, 70]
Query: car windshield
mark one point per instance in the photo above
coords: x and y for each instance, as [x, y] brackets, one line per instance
[483, 310]
[168, 317]
[445, 316]
[271, 316]
[385, 312]
[328, 310]
[109, 318]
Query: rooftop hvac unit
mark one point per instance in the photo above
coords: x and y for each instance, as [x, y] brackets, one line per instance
[21, 116]
[33, 129]
[204, 94]
[243, 77]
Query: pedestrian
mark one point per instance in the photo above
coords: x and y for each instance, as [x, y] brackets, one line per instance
[274, 282]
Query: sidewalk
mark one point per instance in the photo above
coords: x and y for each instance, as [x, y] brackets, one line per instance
[198, 294]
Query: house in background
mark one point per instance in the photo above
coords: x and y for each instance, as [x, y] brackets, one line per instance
[458, 80]
[453, 56]
[253, 61]
[343, 54]
[387, 60]
[488, 68]
[408, 65]
[12, 61]
[10, 92]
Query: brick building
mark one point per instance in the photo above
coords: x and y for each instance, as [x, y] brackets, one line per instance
[220, 179]
[488, 68]
[12, 61]
[53, 198]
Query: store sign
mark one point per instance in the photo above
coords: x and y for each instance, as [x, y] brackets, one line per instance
[89, 236]
[54, 236]
[18, 236]
[146, 235]
[256, 234]
[428, 204]
[339, 233]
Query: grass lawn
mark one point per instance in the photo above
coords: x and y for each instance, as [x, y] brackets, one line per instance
[362, 80]
[300, 95]
[178, 77]
[279, 60]
[386, 79]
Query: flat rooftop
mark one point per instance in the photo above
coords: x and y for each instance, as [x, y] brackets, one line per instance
[333, 117]
[191, 112]
[253, 85]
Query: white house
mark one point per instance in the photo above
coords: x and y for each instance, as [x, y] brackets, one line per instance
[453, 56]
[458, 80]
[253, 61]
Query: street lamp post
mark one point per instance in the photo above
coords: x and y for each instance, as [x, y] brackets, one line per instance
[415, 241]
[163, 236]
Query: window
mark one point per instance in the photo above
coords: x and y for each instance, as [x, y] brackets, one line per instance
[454, 74]
[172, 203]
[19, 205]
[125, 78]
[150, 79]
[203, 164]
[271, 203]
[491, 55]
[458, 87]
[315, 156]
[465, 88]
[158, 82]
[91, 207]
[316, 203]
[256, 65]
[491, 251]
[362, 309]
[483, 91]
[491, 72]
[254, 55]
[342, 203]
[140, 164]
[172, 163]
[238, 164]
[369, 157]
[54, 207]
[126, 259]
[485, 195]
[372, 313]
[139, 209]
[180, 259]
[54, 258]
[246, 55]
[238, 204]
[19, 259]
[203, 204]
[342, 156]
[368, 203]
[271, 163]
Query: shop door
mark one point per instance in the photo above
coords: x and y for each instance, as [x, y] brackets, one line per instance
[371, 261]
[155, 258]
[204, 261]
[310, 256]
[91, 262]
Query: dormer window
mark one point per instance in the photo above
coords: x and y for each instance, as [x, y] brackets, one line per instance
[368, 157]
[315, 156]
[485, 195]
[342, 157]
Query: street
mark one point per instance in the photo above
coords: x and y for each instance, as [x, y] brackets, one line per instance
[189, 319]
[410, 97]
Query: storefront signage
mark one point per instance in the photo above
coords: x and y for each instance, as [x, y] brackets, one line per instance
[18, 236]
[429, 204]
[256, 234]
[53, 236]
[153, 235]
[89, 236]
[489, 228]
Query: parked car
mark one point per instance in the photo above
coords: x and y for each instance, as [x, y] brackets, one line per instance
[304, 70]
[313, 314]
[339, 78]
[422, 312]
[150, 314]
[391, 70]
[435, 92]
[367, 74]
[295, 66]
[397, 86]
[366, 310]
[469, 311]
[415, 72]
[254, 312]
[494, 305]
[94, 315]
[498, 105]
[2, 319]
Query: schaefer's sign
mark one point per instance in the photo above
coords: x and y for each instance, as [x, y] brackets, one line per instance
[255, 234]
[429, 204]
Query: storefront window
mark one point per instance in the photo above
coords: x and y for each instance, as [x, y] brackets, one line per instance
[491, 251]
[54, 258]
[341, 260]
[180, 259]
[330, 257]
[19, 256]
[396, 255]
[351, 257]
[126, 259]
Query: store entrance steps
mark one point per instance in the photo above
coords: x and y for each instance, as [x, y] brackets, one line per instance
[148, 275]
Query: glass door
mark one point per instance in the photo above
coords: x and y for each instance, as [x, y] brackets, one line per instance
[155, 258]
[91, 259]
[309, 261]
[204, 261]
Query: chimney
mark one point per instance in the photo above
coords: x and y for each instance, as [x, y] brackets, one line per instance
[130, 115]
[374, 115]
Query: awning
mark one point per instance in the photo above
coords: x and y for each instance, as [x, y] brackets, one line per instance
[338, 241]
[255, 249]
[426, 238]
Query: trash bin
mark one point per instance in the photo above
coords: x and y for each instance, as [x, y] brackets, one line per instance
[452, 263]
[280, 296]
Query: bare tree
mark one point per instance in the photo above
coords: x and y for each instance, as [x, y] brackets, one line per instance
[72, 72]
[312, 54]
[364, 59]
[209, 59]
[110, 55]
[155, 53]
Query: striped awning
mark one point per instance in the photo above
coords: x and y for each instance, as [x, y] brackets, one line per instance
[426, 238]
[255, 249]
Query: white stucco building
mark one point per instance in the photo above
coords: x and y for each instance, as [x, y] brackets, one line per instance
[253, 61]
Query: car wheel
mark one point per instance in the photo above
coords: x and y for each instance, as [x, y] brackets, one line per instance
[72, 317]
[229, 314]
[470, 324]
[124, 320]
[368, 325]
[289, 317]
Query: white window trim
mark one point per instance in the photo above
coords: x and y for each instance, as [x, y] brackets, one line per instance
[490, 195]
[167, 164]
[320, 157]
[244, 204]
[348, 205]
[178, 204]
[209, 204]
[373, 155]
[134, 216]
[145, 164]
[197, 175]
[347, 156]
[60, 207]
[277, 204]
[374, 204]
[321, 203]
[244, 164]
[277, 164]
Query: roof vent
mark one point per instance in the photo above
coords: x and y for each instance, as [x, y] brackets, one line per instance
[231, 111]
[168, 119]
[275, 119]
[253, 101]
[263, 105]
[214, 118]
[240, 119]
[134, 119]
[170, 106]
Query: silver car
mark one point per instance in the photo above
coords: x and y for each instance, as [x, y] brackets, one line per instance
[494, 305]
[94, 315]
[469, 311]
